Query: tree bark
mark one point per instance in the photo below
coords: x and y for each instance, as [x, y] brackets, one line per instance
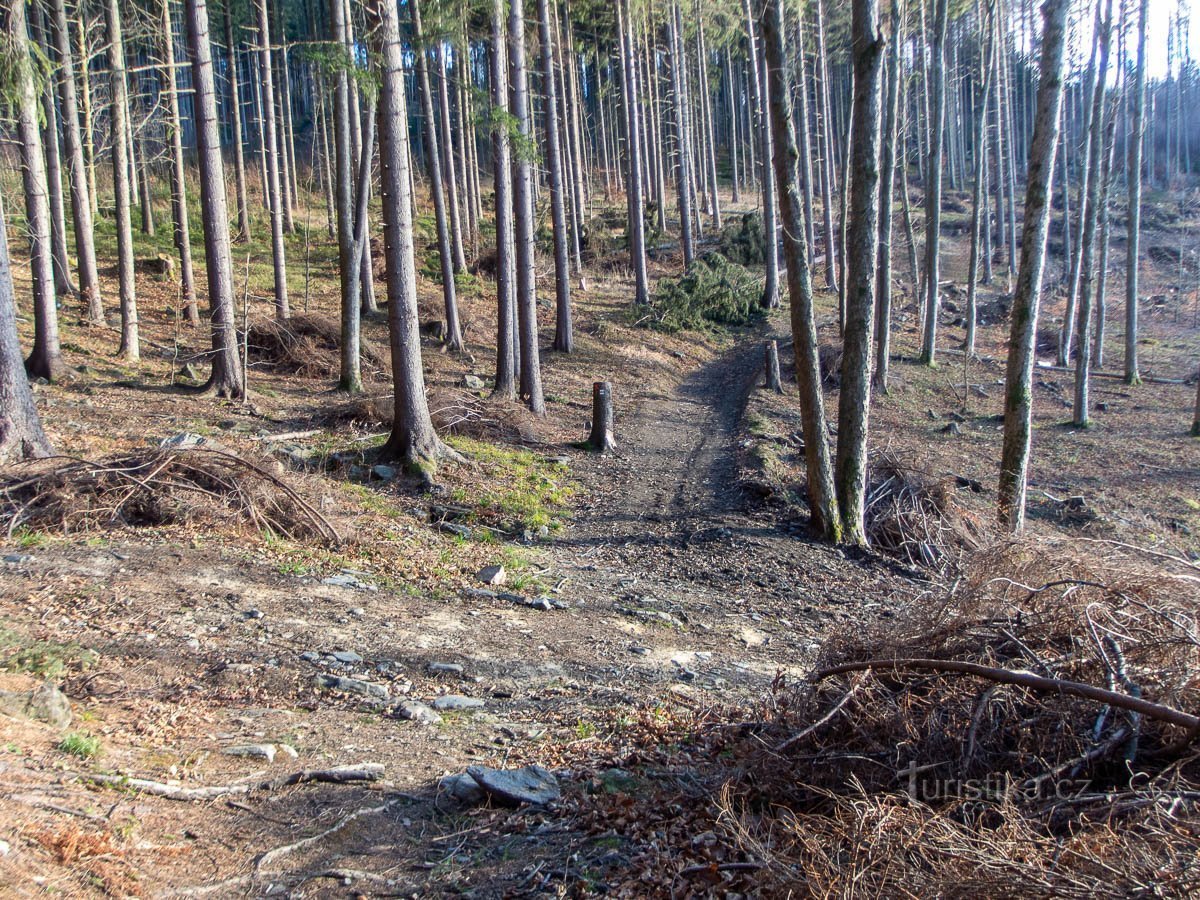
[887, 183]
[226, 377]
[563, 338]
[275, 198]
[683, 147]
[239, 157]
[980, 147]
[452, 181]
[1018, 405]
[633, 185]
[770, 296]
[179, 209]
[601, 439]
[933, 188]
[120, 155]
[826, 520]
[350, 379]
[1134, 219]
[505, 387]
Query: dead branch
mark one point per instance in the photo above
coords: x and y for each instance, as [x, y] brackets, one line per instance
[1024, 679]
[336, 775]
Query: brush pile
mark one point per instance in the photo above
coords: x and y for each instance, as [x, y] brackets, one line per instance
[304, 345]
[166, 486]
[712, 291]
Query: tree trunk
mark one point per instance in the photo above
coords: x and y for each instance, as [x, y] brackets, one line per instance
[887, 193]
[826, 129]
[933, 188]
[770, 296]
[505, 387]
[350, 379]
[413, 439]
[633, 185]
[826, 520]
[275, 198]
[683, 148]
[454, 200]
[226, 377]
[81, 204]
[239, 157]
[179, 209]
[563, 339]
[980, 145]
[21, 434]
[1134, 220]
[530, 376]
[454, 339]
[120, 155]
[601, 439]
[46, 359]
[1018, 393]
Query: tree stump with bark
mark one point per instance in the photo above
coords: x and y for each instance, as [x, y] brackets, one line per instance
[601, 439]
[771, 363]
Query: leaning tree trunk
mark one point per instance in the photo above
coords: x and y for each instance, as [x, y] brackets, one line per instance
[413, 439]
[633, 185]
[120, 156]
[822, 501]
[1133, 177]
[887, 184]
[530, 377]
[505, 387]
[1018, 393]
[854, 400]
[21, 434]
[179, 209]
[239, 156]
[933, 190]
[226, 377]
[81, 205]
[350, 379]
[563, 340]
[46, 359]
[275, 198]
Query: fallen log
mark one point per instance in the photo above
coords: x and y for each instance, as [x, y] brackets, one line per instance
[336, 775]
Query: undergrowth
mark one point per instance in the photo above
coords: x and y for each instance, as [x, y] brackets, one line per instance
[712, 292]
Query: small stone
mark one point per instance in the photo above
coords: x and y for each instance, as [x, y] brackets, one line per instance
[353, 686]
[349, 657]
[451, 702]
[185, 440]
[5, 848]
[952, 428]
[473, 382]
[462, 788]
[415, 711]
[346, 580]
[358, 612]
[18, 559]
[494, 575]
[461, 531]
[193, 643]
[310, 656]
[383, 473]
[187, 370]
[531, 784]
[289, 750]
[252, 751]
[45, 703]
[441, 668]
[252, 614]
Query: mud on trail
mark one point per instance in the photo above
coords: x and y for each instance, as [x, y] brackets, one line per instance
[676, 592]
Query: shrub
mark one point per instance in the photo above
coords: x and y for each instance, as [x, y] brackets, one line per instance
[712, 291]
[743, 240]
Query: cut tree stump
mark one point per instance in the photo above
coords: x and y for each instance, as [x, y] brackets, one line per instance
[601, 439]
[772, 366]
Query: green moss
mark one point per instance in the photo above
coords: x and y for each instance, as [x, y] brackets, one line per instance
[519, 487]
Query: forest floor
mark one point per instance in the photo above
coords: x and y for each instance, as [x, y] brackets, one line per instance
[646, 589]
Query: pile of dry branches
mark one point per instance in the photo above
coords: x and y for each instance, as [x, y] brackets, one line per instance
[304, 345]
[166, 486]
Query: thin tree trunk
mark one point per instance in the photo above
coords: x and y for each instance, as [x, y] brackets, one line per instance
[887, 184]
[120, 155]
[271, 142]
[563, 339]
[706, 114]
[239, 157]
[827, 180]
[1018, 404]
[54, 182]
[633, 187]
[81, 204]
[349, 258]
[505, 387]
[452, 180]
[933, 188]
[682, 145]
[822, 500]
[179, 209]
[1134, 218]
[85, 91]
[980, 145]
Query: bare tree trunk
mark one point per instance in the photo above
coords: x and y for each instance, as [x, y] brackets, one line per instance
[980, 144]
[563, 339]
[854, 401]
[505, 387]
[770, 297]
[1134, 219]
[803, 135]
[633, 187]
[933, 188]
[887, 193]
[454, 338]
[226, 377]
[21, 434]
[140, 172]
[826, 154]
[452, 182]
[271, 142]
[120, 155]
[348, 260]
[682, 145]
[531, 371]
[413, 439]
[179, 210]
[1018, 404]
[85, 91]
[826, 520]
[81, 204]
[706, 115]
[239, 157]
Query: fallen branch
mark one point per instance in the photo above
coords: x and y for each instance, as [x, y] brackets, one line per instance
[801, 735]
[272, 855]
[336, 775]
[1024, 679]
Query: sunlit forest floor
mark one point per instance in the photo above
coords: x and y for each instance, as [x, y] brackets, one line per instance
[660, 606]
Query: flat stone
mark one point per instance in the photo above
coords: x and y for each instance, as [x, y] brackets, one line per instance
[185, 440]
[253, 614]
[473, 382]
[289, 750]
[310, 656]
[353, 686]
[252, 751]
[463, 788]
[346, 580]
[494, 575]
[452, 702]
[45, 704]
[416, 711]
[531, 784]
[440, 668]
[384, 473]
[18, 559]
[347, 656]
[543, 603]
[455, 529]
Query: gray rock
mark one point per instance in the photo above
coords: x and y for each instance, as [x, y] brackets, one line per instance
[384, 473]
[310, 656]
[462, 788]
[185, 440]
[493, 575]
[187, 370]
[252, 751]
[353, 686]
[253, 614]
[544, 603]
[455, 529]
[440, 668]
[347, 656]
[531, 784]
[346, 580]
[18, 559]
[416, 711]
[473, 382]
[45, 704]
[452, 702]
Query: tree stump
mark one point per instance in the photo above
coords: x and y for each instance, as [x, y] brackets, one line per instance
[774, 383]
[601, 439]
